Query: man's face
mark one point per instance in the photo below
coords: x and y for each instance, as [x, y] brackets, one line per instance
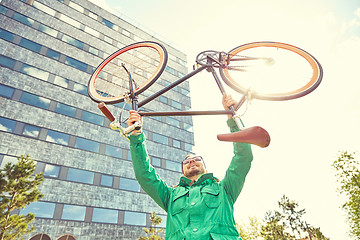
[193, 165]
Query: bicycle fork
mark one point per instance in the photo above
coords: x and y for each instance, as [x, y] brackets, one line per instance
[233, 109]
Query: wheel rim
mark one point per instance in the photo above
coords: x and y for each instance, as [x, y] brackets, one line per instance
[307, 88]
[93, 90]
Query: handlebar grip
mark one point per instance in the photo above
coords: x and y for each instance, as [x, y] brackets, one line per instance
[106, 111]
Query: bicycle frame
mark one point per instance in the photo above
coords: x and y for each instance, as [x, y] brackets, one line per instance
[210, 68]
[253, 135]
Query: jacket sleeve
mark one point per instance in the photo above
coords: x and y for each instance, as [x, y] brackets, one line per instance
[234, 179]
[145, 173]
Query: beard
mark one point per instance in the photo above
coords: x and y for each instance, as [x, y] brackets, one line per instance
[195, 171]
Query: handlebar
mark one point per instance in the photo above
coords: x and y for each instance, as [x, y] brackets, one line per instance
[126, 132]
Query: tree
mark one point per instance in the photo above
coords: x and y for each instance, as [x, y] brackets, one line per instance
[283, 224]
[348, 175]
[274, 227]
[251, 231]
[152, 232]
[18, 188]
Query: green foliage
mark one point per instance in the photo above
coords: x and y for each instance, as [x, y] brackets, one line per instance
[251, 231]
[283, 224]
[18, 188]
[152, 232]
[348, 175]
[274, 227]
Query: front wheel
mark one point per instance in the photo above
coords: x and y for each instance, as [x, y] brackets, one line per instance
[271, 71]
[145, 61]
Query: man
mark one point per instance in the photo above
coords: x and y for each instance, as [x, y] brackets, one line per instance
[200, 206]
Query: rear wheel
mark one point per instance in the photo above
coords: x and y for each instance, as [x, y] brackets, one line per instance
[271, 71]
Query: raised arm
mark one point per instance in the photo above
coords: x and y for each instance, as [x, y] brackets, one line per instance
[145, 173]
[239, 167]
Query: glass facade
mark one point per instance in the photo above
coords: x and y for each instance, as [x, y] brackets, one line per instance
[55, 46]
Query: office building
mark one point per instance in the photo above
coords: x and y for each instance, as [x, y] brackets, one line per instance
[49, 48]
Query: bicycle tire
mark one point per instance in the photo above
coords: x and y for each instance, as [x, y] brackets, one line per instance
[307, 60]
[146, 61]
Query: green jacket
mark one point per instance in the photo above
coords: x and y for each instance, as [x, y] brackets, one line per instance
[203, 210]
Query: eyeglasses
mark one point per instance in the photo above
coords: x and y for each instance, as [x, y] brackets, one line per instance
[195, 158]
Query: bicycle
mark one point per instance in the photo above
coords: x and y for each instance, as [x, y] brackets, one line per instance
[112, 82]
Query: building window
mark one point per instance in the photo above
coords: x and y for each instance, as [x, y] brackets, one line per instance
[7, 125]
[76, 64]
[6, 91]
[129, 184]
[101, 215]
[93, 50]
[73, 41]
[47, 30]
[135, 218]
[60, 81]
[160, 138]
[70, 21]
[35, 72]
[93, 15]
[92, 118]
[176, 143]
[158, 118]
[40, 209]
[51, 171]
[107, 180]
[80, 89]
[53, 54]
[82, 176]
[3, 9]
[107, 39]
[8, 159]
[57, 137]
[8, 36]
[44, 8]
[172, 121]
[113, 151]
[171, 70]
[163, 99]
[23, 19]
[188, 127]
[108, 23]
[71, 212]
[92, 31]
[155, 161]
[7, 62]
[86, 144]
[76, 6]
[175, 166]
[35, 100]
[65, 109]
[176, 104]
[31, 131]
[185, 91]
[33, 46]
[188, 147]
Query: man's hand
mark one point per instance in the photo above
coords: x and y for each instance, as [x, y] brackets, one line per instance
[134, 117]
[227, 102]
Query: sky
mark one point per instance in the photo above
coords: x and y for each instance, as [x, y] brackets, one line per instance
[307, 133]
